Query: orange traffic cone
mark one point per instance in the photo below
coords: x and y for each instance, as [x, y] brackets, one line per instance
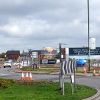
[84, 70]
[94, 72]
[22, 76]
[27, 78]
[99, 73]
[30, 76]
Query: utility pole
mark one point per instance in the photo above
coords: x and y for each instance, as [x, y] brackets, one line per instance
[88, 37]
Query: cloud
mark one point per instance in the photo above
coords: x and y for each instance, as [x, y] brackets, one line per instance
[24, 27]
[38, 23]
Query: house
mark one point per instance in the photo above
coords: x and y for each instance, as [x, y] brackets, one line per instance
[13, 54]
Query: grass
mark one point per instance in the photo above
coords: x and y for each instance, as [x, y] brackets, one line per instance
[44, 69]
[79, 71]
[87, 72]
[43, 91]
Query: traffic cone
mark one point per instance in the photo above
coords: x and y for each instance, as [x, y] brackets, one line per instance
[99, 73]
[94, 72]
[30, 76]
[22, 78]
[27, 78]
[84, 70]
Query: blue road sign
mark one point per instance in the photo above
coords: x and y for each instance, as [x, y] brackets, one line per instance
[84, 51]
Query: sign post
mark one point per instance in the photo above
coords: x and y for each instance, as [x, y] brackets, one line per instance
[83, 51]
[72, 83]
[34, 56]
[68, 66]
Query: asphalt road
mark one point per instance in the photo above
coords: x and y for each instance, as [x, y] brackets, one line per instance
[92, 81]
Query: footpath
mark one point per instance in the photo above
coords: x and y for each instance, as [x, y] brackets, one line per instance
[95, 97]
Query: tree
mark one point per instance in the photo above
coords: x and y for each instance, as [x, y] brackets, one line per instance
[3, 55]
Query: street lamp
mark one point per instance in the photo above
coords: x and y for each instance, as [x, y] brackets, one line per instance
[88, 36]
[61, 76]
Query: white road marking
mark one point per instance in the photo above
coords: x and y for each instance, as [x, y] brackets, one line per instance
[2, 74]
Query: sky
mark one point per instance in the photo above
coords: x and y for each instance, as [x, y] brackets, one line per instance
[35, 24]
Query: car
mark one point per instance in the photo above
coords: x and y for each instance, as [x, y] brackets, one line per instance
[7, 64]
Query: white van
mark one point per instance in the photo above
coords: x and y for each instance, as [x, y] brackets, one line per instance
[7, 64]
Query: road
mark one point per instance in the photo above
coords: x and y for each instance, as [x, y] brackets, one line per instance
[92, 81]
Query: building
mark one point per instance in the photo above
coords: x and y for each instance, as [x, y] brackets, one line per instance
[12, 54]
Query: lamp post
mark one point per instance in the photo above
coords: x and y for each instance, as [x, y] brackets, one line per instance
[61, 76]
[88, 37]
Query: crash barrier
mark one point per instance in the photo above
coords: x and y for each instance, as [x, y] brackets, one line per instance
[28, 75]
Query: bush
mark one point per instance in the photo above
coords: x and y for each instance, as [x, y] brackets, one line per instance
[5, 83]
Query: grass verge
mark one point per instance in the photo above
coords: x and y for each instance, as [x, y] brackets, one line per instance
[40, 90]
[42, 70]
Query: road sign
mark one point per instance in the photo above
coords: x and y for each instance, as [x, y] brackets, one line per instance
[51, 61]
[84, 51]
[44, 61]
[92, 43]
[35, 54]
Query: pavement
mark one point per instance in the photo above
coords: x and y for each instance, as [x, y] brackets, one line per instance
[95, 97]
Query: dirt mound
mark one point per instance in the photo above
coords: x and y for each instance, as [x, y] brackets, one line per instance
[30, 83]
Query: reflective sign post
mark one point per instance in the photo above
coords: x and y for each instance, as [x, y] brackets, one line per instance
[72, 83]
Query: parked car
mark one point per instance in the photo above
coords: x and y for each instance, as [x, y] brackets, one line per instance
[7, 64]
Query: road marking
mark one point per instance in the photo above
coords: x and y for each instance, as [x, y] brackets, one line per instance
[2, 74]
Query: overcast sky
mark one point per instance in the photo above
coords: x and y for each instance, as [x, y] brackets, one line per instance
[34, 24]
